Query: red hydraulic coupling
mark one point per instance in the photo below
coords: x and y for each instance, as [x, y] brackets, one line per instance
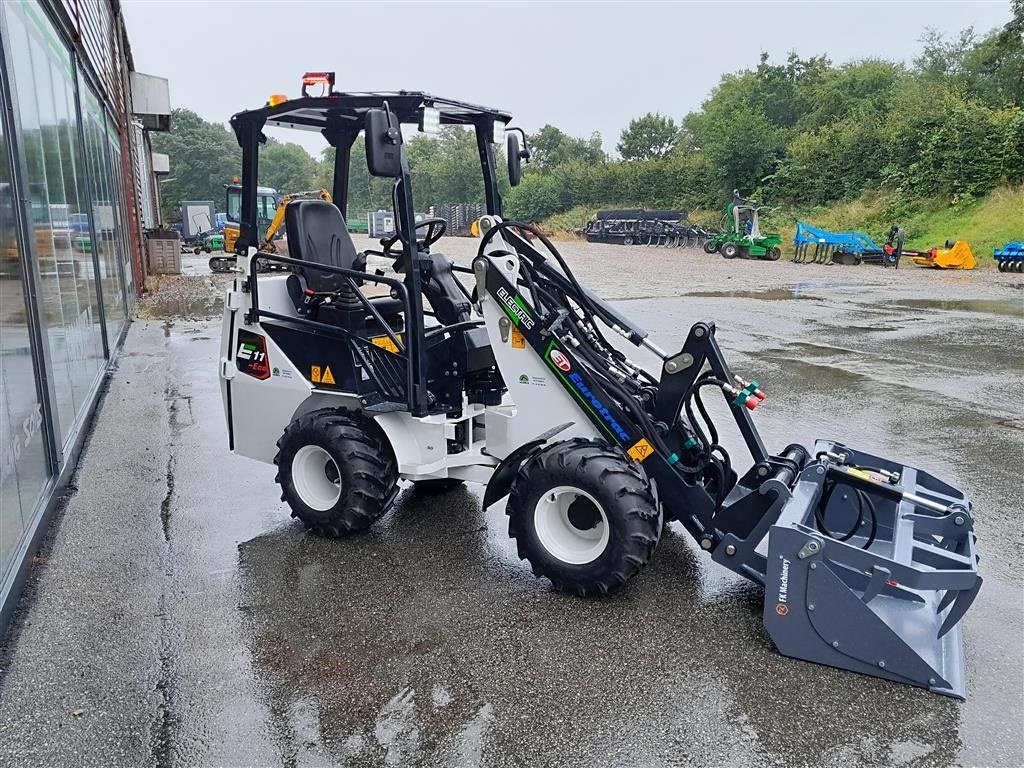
[749, 397]
[742, 397]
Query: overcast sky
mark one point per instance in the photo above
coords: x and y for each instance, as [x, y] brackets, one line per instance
[584, 66]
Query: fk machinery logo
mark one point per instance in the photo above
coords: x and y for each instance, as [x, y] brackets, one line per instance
[782, 607]
[515, 308]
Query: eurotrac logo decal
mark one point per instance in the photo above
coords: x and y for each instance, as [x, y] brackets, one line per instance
[558, 358]
[515, 308]
[560, 362]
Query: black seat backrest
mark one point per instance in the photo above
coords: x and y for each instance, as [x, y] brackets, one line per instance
[317, 234]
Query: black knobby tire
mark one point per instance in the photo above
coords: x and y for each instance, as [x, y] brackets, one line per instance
[364, 471]
[710, 247]
[773, 253]
[439, 485]
[729, 250]
[627, 240]
[1001, 266]
[625, 505]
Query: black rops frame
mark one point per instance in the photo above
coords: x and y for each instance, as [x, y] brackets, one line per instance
[340, 118]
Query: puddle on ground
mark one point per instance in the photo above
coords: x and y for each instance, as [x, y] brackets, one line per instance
[986, 306]
[798, 291]
[767, 294]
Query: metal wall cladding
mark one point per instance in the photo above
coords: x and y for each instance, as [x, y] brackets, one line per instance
[93, 22]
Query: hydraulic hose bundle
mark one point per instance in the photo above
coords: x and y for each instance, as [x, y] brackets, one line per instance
[571, 312]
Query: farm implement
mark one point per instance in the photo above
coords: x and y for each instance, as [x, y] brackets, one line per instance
[1010, 258]
[349, 381]
[638, 227]
[812, 245]
[742, 236]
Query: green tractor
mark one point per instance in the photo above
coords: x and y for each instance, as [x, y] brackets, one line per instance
[743, 236]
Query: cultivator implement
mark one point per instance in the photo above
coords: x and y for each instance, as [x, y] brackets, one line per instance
[667, 229]
[812, 245]
[1010, 258]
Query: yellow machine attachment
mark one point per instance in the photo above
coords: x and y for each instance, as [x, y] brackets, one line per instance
[954, 256]
[278, 221]
[230, 236]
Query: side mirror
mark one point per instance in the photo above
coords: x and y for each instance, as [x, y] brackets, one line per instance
[383, 144]
[515, 156]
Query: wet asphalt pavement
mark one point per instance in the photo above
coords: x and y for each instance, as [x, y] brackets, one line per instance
[179, 617]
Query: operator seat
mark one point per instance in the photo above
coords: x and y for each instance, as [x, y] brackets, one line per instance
[317, 234]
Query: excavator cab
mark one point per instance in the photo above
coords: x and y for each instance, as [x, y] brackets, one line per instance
[266, 208]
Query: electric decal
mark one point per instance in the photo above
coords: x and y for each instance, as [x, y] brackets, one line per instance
[251, 357]
[513, 305]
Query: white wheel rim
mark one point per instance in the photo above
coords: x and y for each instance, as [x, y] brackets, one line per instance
[309, 477]
[559, 536]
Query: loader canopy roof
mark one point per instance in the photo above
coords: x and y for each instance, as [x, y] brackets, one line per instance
[341, 117]
[346, 111]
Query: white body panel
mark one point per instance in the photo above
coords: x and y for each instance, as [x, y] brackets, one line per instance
[538, 401]
[260, 410]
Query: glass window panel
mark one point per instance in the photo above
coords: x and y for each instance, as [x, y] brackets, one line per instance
[103, 210]
[23, 467]
[42, 71]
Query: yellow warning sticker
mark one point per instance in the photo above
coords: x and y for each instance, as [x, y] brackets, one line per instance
[314, 374]
[518, 340]
[640, 450]
[385, 342]
[327, 377]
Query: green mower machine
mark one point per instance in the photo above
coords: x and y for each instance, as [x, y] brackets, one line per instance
[743, 236]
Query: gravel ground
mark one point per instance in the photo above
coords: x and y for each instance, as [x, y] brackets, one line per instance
[180, 617]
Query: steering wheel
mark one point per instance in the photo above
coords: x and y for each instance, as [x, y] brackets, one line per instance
[435, 231]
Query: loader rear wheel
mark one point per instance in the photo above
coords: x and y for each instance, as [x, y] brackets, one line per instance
[583, 516]
[729, 250]
[336, 472]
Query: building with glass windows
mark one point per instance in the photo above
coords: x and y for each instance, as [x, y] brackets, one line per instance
[76, 193]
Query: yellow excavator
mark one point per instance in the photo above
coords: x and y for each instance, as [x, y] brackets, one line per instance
[267, 201]
[269, 238]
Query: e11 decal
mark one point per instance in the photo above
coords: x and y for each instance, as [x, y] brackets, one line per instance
[251, 355]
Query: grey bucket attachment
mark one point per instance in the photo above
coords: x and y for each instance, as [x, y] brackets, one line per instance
[883, 591]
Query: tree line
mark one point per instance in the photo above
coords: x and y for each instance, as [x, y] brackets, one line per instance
[800, 132]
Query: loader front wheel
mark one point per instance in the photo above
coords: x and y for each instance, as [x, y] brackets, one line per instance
[729, 250]
[710, 246]
[583, 516]
[336, 472]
